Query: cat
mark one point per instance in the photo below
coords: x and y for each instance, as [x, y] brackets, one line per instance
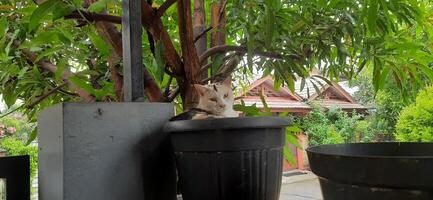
[215, 101]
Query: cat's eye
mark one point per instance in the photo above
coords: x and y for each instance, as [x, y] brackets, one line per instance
[226, 95]
[213, 99]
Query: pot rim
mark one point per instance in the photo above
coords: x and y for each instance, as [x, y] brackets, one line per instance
[317, 150]
[226, 123]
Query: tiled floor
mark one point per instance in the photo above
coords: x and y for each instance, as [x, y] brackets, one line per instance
[301, 187]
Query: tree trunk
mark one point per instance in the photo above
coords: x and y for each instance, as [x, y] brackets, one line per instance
[189, 53]
[218, 21]
[199, 28]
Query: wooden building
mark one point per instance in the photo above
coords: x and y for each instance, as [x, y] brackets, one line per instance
[296, 103]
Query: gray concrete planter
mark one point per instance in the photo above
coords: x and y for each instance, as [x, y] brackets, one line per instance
[229, 158]
[105, 151]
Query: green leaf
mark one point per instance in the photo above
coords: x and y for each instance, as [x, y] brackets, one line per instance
[98, 6]
[10, 96]
[315, 87]
[427, 71]
[373, 12]
[322, 3]
[377, 69]
[59, 72]
[49, 52]
[290, 83]
[302, 84]
[293, 129]
[41, 12]
[61, 9]
[247, 110]
[32, 136]
[216, 64]
[291, 139]
[266, 109]
[160, 61]
[82, 84]
[8, 47]
[22, 72]
[270, 23]
[277, 83]
[250, 50]
[289, 155]
[100, 44]
[333, 3]
[3, 26]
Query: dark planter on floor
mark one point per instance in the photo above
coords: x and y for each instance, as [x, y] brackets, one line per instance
[229, 158]
[374, 171]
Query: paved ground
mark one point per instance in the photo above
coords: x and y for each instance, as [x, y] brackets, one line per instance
[301, 187]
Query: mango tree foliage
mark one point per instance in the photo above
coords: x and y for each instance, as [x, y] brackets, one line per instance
[70, 50]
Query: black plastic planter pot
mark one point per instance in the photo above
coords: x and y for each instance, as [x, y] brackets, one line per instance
[229, 158]
[374, 171]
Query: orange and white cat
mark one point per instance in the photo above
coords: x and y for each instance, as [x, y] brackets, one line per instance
[215, 101]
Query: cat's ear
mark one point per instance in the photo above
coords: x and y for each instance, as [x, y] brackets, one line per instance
[227, 82]
[200, 89]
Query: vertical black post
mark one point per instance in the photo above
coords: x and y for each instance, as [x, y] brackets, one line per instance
[16, 170]
[133, 89]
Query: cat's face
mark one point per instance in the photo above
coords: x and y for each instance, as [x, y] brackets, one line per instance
[217, 98]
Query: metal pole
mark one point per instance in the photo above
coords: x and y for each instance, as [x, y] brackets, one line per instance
[133, 89]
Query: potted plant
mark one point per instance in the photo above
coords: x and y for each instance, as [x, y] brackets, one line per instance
[67, 51]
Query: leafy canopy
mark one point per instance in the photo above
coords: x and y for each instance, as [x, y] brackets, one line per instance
[45, 46]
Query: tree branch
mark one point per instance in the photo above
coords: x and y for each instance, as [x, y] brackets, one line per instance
[173, 94]
[167, 88]
[44, 96]
[226, 48]
[225, 70]
[159, 33]
[94, 17]
[110, 34]
[53, 68]
[117, 79]
[202, 33]
[186, 33]
[164, 7]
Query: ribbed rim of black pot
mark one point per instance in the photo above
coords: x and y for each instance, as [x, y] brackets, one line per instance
[336, 150]
[226, 123]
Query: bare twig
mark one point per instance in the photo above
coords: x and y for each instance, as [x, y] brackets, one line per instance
[151, 43]
[167, 89]
[46, 95]
[225, 70]
[226, 48]
[94, 17]
[164, 7]
[173, 94]
[222, 11]
[53, 68]
[202, 33]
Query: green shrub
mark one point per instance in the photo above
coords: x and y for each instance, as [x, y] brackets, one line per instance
[335, 126]
[415, 123]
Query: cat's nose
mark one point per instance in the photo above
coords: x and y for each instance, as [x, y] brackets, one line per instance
[222, 106]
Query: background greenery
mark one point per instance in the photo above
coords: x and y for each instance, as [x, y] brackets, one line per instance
[415, 123]
[14, 144]
[339, 37]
